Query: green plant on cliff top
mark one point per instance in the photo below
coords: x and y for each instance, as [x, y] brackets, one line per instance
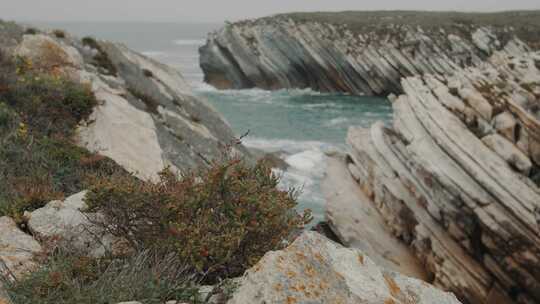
[221, 219]
[101, 58]
[38, 160]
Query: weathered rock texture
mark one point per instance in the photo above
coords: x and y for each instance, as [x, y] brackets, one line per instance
[316, 270]
[17, 250]
[358, 52]
[65, 223]
[457, 176]
[148, 117]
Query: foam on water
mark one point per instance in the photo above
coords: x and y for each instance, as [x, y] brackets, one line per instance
[194, 42]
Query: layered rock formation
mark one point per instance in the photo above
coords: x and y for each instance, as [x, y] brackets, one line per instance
[358, 52]
[457, 176]
[147, 119]
[316, 270]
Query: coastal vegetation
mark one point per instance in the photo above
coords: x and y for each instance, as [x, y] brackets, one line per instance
[204, 225]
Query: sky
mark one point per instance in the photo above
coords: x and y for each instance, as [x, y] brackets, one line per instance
[221, 10]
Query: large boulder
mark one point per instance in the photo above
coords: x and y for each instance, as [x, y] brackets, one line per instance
[17, 250]
[316, 270]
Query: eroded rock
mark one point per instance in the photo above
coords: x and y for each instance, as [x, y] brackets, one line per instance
[17, 249]
[316, 270]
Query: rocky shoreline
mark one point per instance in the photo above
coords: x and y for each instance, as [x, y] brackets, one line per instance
[361, 54]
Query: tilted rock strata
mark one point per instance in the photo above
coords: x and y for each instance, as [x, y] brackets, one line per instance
[457, 177]
[316, 270]
[281, 52]
[147, 119]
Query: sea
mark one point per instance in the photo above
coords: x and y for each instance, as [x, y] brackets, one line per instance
[301, 125]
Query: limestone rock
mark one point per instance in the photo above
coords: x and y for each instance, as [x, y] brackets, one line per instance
[17, 249]
[459, 193]
[316, 270]
[353, 52]
[63, 222]
[147, 118]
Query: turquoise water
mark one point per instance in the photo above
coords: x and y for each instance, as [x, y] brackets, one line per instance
[301, 125]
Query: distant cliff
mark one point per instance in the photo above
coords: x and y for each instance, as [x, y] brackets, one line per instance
[359, 52]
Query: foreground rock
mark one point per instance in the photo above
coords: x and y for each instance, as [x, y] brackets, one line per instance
[17, 250]
[148, 117]
[456, 178]
[63, 223]
[316, 270]
[358, 52]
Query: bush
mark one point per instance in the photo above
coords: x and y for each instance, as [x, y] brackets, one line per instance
[222, 219]
[101, 58]
[38, 161]
[59, 34]
[67, 278]
[31, 31]
[150, 103]
[148, 73]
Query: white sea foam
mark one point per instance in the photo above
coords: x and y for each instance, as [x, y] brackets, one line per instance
[339, 121]
[190, 42]
[154, 54]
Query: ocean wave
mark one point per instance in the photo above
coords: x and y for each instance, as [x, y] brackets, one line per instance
[189, 42]
[154, 54]
[339, 121]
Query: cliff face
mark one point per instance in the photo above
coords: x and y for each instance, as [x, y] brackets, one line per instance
[457, 176]
[358, 53]
[147, 118]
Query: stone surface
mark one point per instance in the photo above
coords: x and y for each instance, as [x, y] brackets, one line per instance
[316, 270]
[17, 249]
[64, 222]
[354, 52]
[456, 182]
[358, 224]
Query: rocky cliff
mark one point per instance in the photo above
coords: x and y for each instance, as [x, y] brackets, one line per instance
[457, 176]
[359, 52]
[147, 118]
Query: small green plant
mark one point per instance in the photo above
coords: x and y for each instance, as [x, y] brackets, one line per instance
[67, 278]
[195, 118]
[148, 73]
[101, 58]
[59, 34]
[151, 104]
[39, 162]
[31, 31]
[221, 219]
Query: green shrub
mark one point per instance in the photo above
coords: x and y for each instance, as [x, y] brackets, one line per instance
[67, 278]
[221, 219]
[148, 73]
[31, 31]
[38, 160]
[59, 34]
[50, 105]
[150, 103]
[101, 58]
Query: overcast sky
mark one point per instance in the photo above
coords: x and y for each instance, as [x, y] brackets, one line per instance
[220, 10]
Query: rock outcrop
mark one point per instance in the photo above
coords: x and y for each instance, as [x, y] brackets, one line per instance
[457, 176]
[17, 250]
[148, 117]
[316, 270]
[358, 52]
[65, 223]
